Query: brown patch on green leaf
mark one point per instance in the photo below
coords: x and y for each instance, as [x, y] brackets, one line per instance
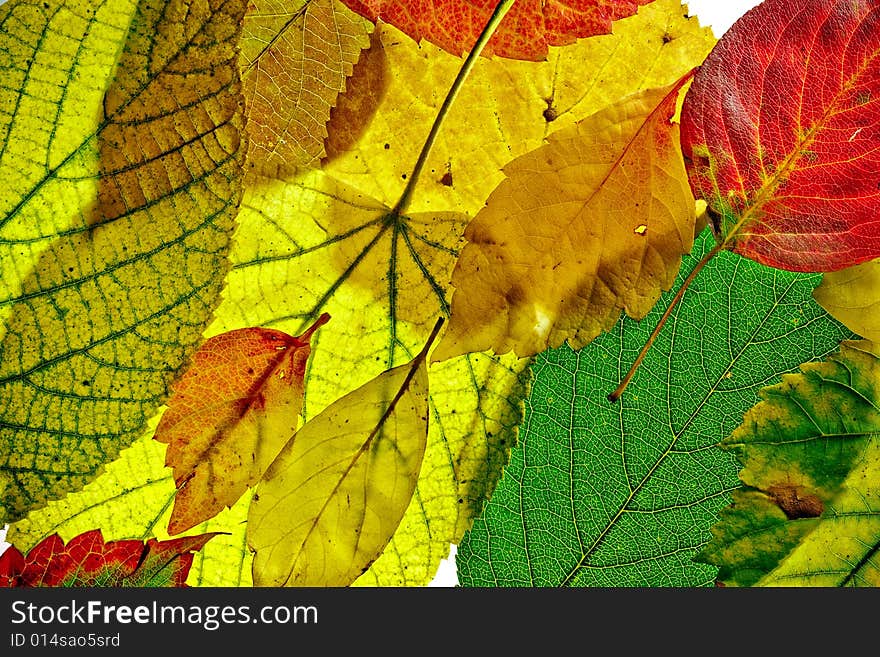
[796, 502]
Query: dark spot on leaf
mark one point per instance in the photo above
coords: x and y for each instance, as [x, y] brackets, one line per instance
[387, 146]
[796, 502]
[446, 179]
[514, 295]
[667, 37]
[715, 219]
[550, 114]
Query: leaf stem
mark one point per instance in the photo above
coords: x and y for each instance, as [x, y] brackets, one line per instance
[614, 396]
[501, 10]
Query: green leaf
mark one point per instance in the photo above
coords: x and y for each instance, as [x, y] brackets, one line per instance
[811, 513]
[115, 219]
[602, 494]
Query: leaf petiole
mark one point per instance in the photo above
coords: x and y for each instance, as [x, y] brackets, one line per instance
[614, 396]
[500, 12]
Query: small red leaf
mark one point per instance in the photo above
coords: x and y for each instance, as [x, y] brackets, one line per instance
[229, 415]
[525, 33]
[781, 131]
[12, 565]
[86, 560]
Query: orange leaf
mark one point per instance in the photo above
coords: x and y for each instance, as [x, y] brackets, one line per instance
[526, 32]
[229, 416]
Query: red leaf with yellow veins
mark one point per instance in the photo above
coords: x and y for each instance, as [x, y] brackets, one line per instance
[229, 416]
[526, 32]
[781, 128]
[86, 560]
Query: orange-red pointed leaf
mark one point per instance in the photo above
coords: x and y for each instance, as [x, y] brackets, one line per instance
[229, 416]
[782, 130]
[525, 33]
[86, 560]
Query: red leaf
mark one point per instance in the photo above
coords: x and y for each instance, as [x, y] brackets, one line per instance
[87, 560]
[525, 33]
[11, 566]
[781, 131]
[229, 415]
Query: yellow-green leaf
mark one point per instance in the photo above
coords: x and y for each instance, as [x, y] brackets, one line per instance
[810, 512]
[115, 223]
[592, 223]
[844, 548]
[295, 57]
[334, 496]
[852, 296]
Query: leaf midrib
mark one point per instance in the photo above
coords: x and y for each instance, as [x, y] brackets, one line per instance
[631, 496]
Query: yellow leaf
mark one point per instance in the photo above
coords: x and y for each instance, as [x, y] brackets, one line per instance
[295, 57]
[594, 222]
[334, 496]
[852, 296]
[115, 225]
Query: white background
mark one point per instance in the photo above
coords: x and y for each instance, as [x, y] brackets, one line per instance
[719, 15]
